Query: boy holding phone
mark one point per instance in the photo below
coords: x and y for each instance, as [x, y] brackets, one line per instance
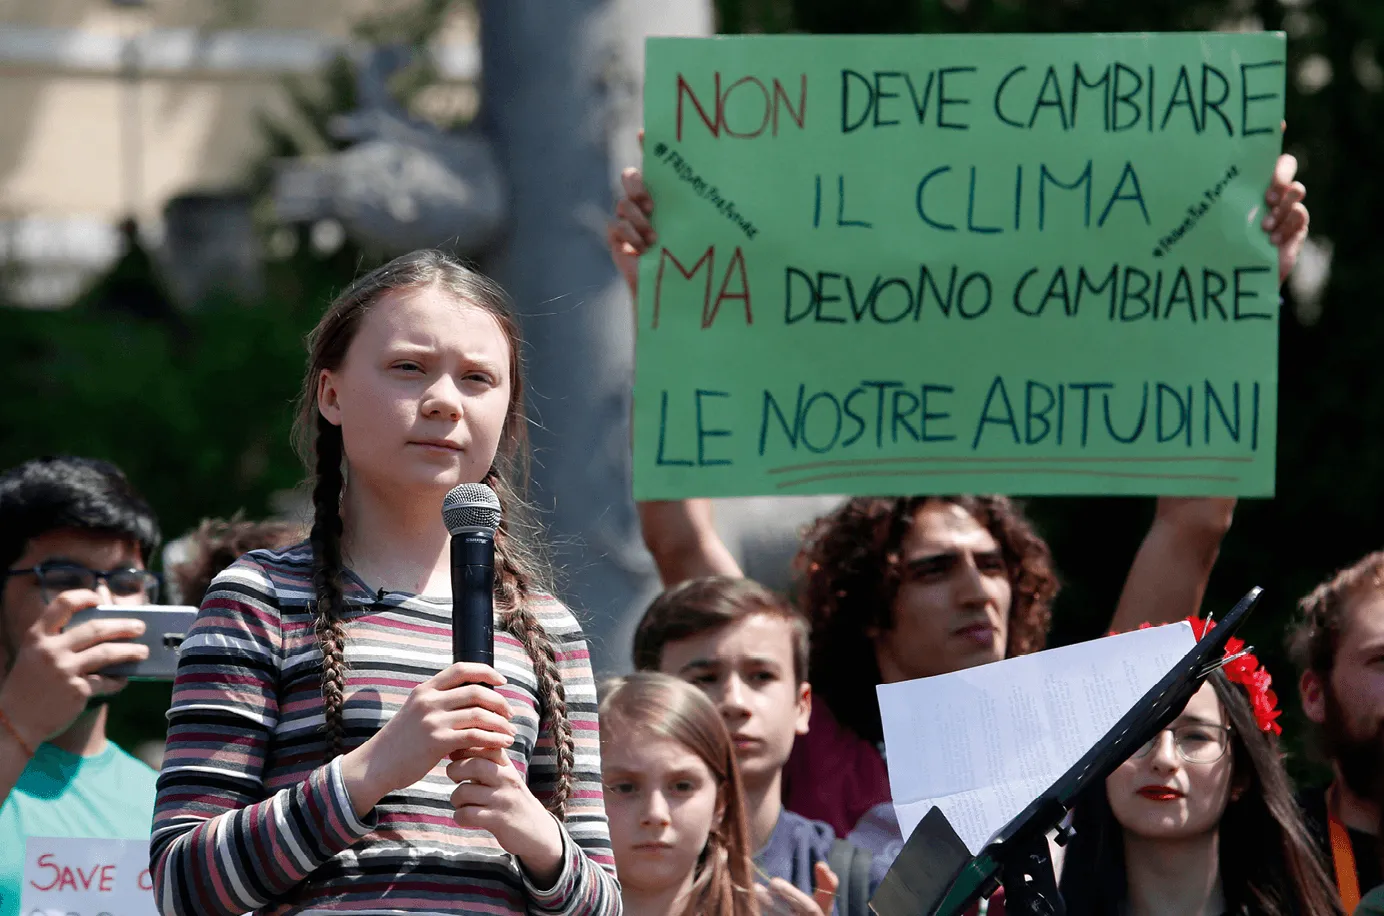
[73, 534]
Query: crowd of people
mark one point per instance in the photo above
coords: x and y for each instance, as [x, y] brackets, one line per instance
[324, 753]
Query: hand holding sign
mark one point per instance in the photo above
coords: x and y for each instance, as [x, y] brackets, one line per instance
[631, 233]
[1287, 219]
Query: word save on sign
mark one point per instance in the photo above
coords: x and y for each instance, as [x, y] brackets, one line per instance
[1020, 264]
[86, 877]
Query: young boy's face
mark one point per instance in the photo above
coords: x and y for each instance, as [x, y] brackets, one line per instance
[746, 667]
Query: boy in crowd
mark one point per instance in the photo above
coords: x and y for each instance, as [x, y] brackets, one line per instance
[1338, 645]
[747, 649]
[73, 534]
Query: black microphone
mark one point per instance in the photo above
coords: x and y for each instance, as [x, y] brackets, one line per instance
[471, 513]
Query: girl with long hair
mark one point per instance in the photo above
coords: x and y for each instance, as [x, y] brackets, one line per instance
[677, 810]
[1201, 821]
[324, 754]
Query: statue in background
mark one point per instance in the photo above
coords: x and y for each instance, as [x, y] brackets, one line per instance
[401, 184]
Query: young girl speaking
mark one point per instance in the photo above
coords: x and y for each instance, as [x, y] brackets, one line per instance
[315, 710]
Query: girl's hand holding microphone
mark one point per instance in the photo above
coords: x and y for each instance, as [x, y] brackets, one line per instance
[455, 710]
[456, 713]
[493, 796]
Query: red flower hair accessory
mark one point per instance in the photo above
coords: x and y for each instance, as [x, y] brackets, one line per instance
[1245, 671]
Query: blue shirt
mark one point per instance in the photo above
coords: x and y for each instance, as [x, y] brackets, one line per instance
[795, 846]
[107, 796]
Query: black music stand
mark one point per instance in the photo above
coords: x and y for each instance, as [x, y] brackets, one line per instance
[935, 874]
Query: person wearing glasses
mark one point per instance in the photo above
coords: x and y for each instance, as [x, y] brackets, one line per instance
[74, 534]
[1201, 821]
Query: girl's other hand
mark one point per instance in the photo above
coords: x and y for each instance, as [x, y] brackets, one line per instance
[494, 797]
[631, 233]
[453, 710]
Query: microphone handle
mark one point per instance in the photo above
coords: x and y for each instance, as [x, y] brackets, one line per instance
[473, 598]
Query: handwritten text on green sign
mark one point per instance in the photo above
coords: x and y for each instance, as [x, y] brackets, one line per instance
[1025, 264]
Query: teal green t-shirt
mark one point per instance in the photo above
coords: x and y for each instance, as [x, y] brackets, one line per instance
[1373, 904]
[108, 796]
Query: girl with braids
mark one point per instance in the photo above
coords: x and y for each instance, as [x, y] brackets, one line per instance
[323, 755]
[677, 810]
[1201, 821]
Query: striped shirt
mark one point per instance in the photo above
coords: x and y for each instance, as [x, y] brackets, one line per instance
[248, 818]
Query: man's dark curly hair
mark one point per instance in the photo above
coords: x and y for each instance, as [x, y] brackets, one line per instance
[849, 571]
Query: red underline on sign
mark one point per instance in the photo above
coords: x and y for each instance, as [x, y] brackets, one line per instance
[950, 472]
[866, 462]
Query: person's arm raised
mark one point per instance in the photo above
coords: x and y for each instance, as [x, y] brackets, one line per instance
[680, 534]
[1168, 578]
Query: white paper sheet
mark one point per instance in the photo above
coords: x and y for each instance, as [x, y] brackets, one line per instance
[984, 742]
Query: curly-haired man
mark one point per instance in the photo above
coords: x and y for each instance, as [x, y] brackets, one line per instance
[897, 589]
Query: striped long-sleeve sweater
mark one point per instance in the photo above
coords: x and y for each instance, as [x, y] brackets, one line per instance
[249, 818]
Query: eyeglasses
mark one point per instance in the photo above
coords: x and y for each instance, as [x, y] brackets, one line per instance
[55, 578]
[1195, 743]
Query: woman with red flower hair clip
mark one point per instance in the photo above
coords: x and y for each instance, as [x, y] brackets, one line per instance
[1201, 821]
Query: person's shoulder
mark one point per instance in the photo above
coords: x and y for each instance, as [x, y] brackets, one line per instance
[125, 786]
[554, 616]
[129, 767]
[268, 574]
[821, 841]
[111, 796]
[805, 832]
[1372, 904]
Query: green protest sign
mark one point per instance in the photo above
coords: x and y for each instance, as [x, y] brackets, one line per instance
[1013, 263]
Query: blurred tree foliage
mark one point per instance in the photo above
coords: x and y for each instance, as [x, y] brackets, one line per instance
[1330, 490]
[196, 411]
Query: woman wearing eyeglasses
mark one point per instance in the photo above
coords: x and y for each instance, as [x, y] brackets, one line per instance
[1201, 821]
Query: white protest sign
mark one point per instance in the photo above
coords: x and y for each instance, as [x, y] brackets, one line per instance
[983, 742]
[86, 877]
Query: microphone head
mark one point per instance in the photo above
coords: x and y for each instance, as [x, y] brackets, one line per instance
[469, 507]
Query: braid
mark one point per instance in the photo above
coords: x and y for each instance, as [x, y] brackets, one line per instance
[326, 580]
[513, 587]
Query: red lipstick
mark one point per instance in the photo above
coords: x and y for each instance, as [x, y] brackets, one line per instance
[1160, 793]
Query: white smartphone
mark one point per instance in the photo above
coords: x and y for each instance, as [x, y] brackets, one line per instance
[165, 626]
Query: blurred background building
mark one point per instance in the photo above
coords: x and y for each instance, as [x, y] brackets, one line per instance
[152, 109]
